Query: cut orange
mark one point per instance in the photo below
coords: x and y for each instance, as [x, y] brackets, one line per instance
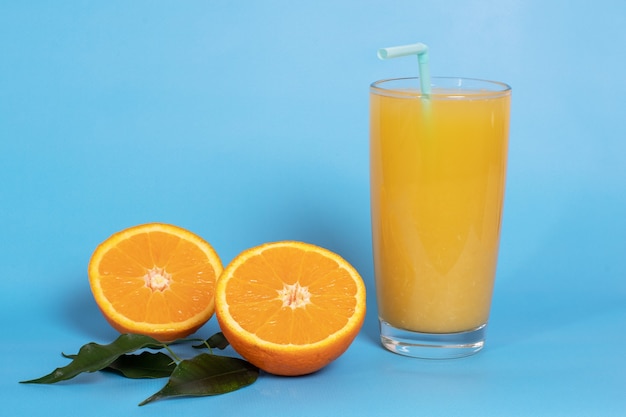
[155, 279]
[290, 308]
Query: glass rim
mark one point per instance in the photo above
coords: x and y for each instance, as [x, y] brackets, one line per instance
[465, 88]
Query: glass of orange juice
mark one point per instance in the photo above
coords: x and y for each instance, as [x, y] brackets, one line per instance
[437, 178]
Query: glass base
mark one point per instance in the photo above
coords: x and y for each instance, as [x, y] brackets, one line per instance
[432, 345]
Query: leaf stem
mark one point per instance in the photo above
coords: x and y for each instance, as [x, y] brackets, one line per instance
[174, 355]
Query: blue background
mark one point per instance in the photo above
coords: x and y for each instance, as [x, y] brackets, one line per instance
[247, 122]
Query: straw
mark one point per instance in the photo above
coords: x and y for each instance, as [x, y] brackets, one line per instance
[418, 49]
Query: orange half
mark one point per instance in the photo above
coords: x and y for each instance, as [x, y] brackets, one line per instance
[155, 279]
[290, 308]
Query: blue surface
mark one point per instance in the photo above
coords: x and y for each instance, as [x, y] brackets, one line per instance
[247, 123]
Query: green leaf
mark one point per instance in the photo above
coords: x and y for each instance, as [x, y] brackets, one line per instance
[144, 365]
[216, 341]
[94, 357]
[207, 374]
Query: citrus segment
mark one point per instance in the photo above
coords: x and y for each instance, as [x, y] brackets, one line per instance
[290, 308]
[155, 279]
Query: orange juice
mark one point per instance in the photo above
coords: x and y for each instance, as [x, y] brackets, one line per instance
[438, 169]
